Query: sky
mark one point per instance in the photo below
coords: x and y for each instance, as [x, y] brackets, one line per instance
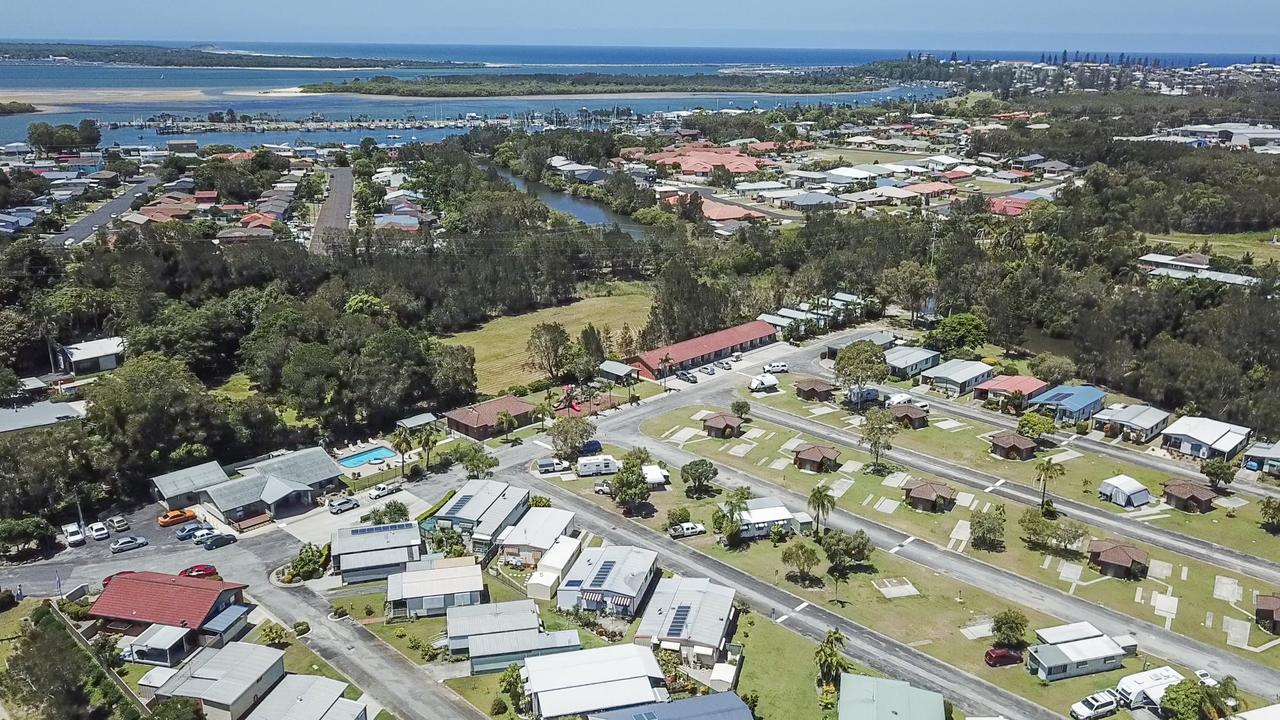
[1240, 26]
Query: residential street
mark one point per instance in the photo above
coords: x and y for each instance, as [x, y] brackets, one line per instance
[83, 228]
[333, 221]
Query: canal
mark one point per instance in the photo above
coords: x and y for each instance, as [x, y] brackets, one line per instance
[588, 211]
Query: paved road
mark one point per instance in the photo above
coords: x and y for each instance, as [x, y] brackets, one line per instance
[83, 228]
[333, 220]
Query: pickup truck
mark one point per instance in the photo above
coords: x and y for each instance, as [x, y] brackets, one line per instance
[686, 530]
[383, 490]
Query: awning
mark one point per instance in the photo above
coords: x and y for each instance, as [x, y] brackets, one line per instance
[592, 596]
[670, 645]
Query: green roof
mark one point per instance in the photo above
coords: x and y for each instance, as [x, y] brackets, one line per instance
[868, 698]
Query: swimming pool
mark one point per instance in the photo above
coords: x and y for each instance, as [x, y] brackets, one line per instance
[378, 453]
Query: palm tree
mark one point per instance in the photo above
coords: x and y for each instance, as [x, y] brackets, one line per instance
[505, 422]
[665, 366]
[1047, 470]
[830, 658]
[402, 442]
[545, 410]
[821, 502]
[732, 507]
[427, 438]
[1222, 700]
[608, 389]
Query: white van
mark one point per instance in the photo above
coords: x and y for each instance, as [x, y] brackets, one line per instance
[596, 465]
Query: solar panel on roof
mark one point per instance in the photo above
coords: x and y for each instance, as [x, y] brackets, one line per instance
[1057, 397]
[458, 504]
[381, 528]
[573, 583]
[678, 619]
[602, 574]
[645, 716]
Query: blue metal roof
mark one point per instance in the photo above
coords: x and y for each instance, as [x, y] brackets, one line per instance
[716, 706]
[1071, 397]
[225, 619]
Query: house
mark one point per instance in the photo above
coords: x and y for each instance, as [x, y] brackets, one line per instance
[1135, 423]
[308, 697]
[616, 372]
[1069, 403]
[691, 616]
[906, 362]
[929, 496]
[612, 579]
[714, 706]
[169, 616]
[226, 682]
[882, 339]
[534, 534]
[414, 422]
[1267, 613]
[1264, 457]
[1124, 491]
[1007, 206]
[480, 511]
[183, 488]
[1204, 438]
[90, 357]
[701, 350]
[762, 514]
[503, 512]
[816, 458]
[930, 190]
[373, 552]
[1012, 446]
[480, 421]
[1028, 161]
[287, 481]
[467, 622]
[1189, 496]
[589, 681]
[1001, 387]
[253, 234]
[910, 416]
[544, 581]
[1118, 560]
[813, 201]
[42, 413]
[869, 698]
[497, 635]
[814, 389]
[1067, 651]
[958, 377]
[431, 591]
[722, 425]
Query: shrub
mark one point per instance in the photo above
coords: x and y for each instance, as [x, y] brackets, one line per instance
[301, 627]
[7, 600]
[676, 516]
[499, 706]
[1082, 427]
[340, 612]
[368, 610]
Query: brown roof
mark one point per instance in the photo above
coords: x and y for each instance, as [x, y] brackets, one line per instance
[908, 411]
[721, 421]
[485, 414]
[1190, 491]
[817, 453]
[814, 385]
[708, 344]
[1269, 602]
[931, 491]
[152, 597]
[1013, 440]
[1114, 553]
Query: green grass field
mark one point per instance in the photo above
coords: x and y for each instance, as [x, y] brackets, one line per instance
[299, 659]
[500, 344]
[1232, 244]
[852, 156]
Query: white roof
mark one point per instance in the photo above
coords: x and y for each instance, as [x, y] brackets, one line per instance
[782, 194]
[1090, 649]
[435, 581]
[1270, 712]
[655, 475]
[1219, 435]
[583, 681]
[1139, 416]
[539, 528]
[852, 172]
[1067, 633]
[1138, 682]
[95, 348]
[890, 191]
[758, 186]
[765, 510]
[959, 371]
[905, 356]
[161, 636]
[562, 552]
[1125, 484]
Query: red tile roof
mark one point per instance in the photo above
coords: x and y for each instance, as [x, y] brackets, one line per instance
[151, 597]
[1009, 207]
[1025, 384]
[706, 345]
[932, 188]
[485, 414]
[1114, 553]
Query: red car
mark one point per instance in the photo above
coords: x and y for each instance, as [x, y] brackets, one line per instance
[199, 571]
[107, 580]
[1000, 657]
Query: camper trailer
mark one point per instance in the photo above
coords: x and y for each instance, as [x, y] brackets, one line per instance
[763, 383]
[596, 465]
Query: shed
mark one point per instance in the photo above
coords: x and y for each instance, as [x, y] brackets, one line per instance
[1124, 491]
[1267, 613]
[1118, 560]
[910, 416]
[1012, 446]
[929, 496]
[816, 458]
[1189, 496]
[617, 372]
[814, 389]
[722, 425]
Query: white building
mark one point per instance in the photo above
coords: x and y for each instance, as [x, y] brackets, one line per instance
[432, 591]
[958, 377]
[544, 582]
[1067, 651]
[534, 535]
[1205, 438]
[577, 683]
[691, 616]
[762, 514]
[1136, 423]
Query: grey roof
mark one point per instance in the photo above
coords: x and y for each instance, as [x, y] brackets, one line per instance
[278, 488]
[237, 493]
[499, 511]
[469, 620]
[223, 621]
[417, 421]
[882, 338]
[366, 538]
[1139, 416]
[38, 414]
[631, 565]
[478, 496]
[517, 641]
[904, 356]
[692, 609]
[189, 480]
[815, 199]
[308, 466]
[307, 697]
[378, 558]
[223, 676]
[868, 698]
[716, 706]
[613, 367]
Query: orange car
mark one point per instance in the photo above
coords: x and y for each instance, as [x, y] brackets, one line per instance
[176, 517]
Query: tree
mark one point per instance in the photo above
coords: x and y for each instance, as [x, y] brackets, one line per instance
[1193, 700]
[697, 477]
[395, 512]
[505, 422]
[1036, 530]
[512, 686]
[741, 408]
[821, 502]
[479, 463]
[1047, 471]
[1035, 426]
[1053, 369]
[544, 410]
[879, 430]
[568, 436]
[830, 659]
[548, 349]
[1218, 471]
[956, 334]
[1066, 534]
[1269, 513]
[860, 363]
[911, 284]
[986, 528]
[727, 519]
[677, 516]
[402, 442]
[426, 439]
[540, 501]
[629, 486]
[845, 551]
[176, 708]
[802, 557]
[274, 635]
[1010, 628]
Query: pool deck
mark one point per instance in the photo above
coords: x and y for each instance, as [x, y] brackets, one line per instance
[381, 449]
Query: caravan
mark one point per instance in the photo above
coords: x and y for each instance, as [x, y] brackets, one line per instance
[1145, 689]
[596, 465]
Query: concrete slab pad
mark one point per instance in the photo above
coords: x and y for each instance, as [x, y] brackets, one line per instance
[887, 506]
[1237, 631]
[1227, 589]
[851, 467]
[840, 487]
[1137, 594]
[1048, 560]
[1184, 573]
[780, 464]
[1064, 456]
[978, 630]
[1160, 570]
[821, 410]
[893, 588]
[854, 421]
[870, 497]
[741, 449]
[960, 531]
[896, 480]
[701, 414]
[684, 435]
[792, 444]
[948, 424]
[1230, 503]
[753, 434]
[964, 499]
[1070, 572]
[1166, 606]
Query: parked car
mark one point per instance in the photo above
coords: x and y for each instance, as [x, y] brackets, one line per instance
[686, 530]
[107, 580]
[98, 531]
[186, 532]
[126, 543]
[383, 490]
[1098, 705]
[73, 534]
[176, 517]
[687, 376]
[339, 505]
[219, 540]
[1000, 657]
[552, 465]
[199, 571]
[776, 367]
[724, 364]
[707, 370]
[117, 523]
[603, 488]
[1206, 679]
[201, 536]
[590, 447]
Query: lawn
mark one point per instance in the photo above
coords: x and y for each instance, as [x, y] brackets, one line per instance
[11, 626]
[384, 715]
[852, 156]
[131, 673]
[480, 690]
[239, 386]
[299, 659]
[500, 345]
[408, 638]
[1259, 244]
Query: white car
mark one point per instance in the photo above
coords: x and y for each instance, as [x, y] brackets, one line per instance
[202, 535]
[1206, 679]
[776, 367]
[73, 534]
[1098, 705]
[382, 490]
[118, 523]
[98, 531]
